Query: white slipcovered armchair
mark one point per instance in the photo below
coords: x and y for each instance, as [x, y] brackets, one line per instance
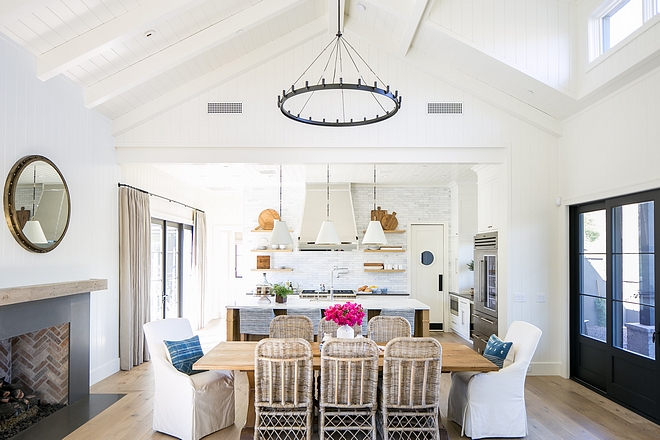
[493, 404]
[187, 407]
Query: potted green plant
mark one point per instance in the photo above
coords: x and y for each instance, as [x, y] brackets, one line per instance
[281, 292]
[470, 266]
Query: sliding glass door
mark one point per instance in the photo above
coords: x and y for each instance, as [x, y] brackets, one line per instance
[171, 268]
[613, 301]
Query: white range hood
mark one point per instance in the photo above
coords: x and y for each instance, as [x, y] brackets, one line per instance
[341, 214]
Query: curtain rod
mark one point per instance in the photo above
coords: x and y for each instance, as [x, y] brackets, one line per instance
[156, 195]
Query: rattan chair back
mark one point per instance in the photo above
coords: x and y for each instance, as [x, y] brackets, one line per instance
[407, 313]
[313, 314]
[383, 329]
[349, 381]
[290, 326]
[410, 397]
[284, 384]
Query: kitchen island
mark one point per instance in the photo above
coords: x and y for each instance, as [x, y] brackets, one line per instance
[371, 304]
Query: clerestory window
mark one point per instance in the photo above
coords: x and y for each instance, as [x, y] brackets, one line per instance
[614, 20]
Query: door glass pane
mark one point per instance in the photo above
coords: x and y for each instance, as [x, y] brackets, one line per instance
[172, 273]
[593, 317]
[491, 282]
[427, 258]
[593, 275]
[156, 292]
[633, 288]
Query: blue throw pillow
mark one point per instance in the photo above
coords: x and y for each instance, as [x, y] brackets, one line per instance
[185, 353]
[496, 350]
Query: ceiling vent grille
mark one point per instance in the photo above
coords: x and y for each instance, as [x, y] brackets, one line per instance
[445, 108]
[225, 107]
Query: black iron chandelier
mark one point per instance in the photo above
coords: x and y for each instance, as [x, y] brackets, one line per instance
[331, 101]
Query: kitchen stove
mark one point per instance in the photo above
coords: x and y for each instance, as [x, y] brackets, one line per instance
[325, 294]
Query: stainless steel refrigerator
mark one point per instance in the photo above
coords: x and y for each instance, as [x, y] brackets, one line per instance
[485, 289]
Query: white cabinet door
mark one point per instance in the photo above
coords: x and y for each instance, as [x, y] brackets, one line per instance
[487, 205]
[464, 317]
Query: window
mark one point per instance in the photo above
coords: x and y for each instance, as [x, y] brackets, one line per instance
[614, 20]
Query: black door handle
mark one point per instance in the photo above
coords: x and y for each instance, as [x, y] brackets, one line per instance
[440, 282]
[654, 334]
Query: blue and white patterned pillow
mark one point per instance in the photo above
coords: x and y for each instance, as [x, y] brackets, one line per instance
[496, 350]
[185, 353]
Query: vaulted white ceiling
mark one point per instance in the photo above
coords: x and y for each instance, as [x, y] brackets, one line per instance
[131, 56]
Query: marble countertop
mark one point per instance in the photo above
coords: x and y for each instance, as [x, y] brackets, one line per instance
[369, 302]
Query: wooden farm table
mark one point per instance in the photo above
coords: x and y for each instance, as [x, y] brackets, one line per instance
[239, 356]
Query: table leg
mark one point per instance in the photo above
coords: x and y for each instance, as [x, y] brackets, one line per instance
[249, 418]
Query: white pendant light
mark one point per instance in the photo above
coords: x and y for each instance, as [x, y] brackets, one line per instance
[32, 229]
[327, 233]
[374, 237]
[280, 235]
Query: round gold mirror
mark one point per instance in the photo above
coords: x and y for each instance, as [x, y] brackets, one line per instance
[37, 204]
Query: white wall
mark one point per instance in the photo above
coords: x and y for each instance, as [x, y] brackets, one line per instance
[50, 119]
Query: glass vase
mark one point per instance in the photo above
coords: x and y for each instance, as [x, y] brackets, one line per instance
[345, 331]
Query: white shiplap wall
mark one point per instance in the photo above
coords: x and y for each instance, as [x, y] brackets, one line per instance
[50, 119]
[533, 36]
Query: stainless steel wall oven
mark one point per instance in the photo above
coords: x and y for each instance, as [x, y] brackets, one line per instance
[485, 286]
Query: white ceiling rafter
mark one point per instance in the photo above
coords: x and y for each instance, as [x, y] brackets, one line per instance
[219, 76]
[12, 10]
[185, 50]
[411, 26]
[107, 35]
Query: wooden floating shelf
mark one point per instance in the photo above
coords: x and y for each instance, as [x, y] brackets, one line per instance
[264, 251]
[384, 270]
[288, 269]
[384, 250]
[393, 231]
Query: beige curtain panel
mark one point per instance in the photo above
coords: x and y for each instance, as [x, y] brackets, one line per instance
[134, 275]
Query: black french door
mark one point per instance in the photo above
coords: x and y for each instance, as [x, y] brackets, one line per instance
[614, 309]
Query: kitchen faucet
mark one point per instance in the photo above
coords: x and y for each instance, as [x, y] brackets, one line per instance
[338, 271]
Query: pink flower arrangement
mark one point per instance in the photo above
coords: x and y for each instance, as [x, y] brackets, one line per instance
[345, 314]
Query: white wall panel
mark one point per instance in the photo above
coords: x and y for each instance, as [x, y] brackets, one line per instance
[50, 119]
[533, 36]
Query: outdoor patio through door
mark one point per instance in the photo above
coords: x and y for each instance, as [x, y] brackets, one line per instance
[613, 302]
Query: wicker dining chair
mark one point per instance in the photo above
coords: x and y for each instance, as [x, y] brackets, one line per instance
[283, 389]
[331, 327]
[382, 329]
[348, 401]
[410, 395]
[290, 326]
[313, 314]
[254, 321]
[407, 313]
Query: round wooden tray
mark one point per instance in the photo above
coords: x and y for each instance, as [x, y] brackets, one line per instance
[267, 217]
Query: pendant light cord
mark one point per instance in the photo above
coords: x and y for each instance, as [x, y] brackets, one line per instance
[280, 192]
[374, 187]
[327, 194]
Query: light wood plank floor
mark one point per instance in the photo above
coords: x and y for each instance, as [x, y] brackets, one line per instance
[557, 408]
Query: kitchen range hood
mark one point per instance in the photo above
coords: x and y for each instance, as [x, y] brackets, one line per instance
[341, 214]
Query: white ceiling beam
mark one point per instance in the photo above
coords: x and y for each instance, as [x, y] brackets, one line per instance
[336, 11]
[219, 76]
[109, 34]
[411, 26]
[465, 82]
[186, 49]
[12, 10]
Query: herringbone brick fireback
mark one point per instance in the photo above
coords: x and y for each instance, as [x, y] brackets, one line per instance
[40, 362]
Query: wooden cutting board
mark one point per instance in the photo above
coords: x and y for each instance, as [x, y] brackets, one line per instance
[266, 219]
[389, 222]
[378, 214]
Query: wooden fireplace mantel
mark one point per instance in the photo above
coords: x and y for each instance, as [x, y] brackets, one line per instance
[21, 294]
